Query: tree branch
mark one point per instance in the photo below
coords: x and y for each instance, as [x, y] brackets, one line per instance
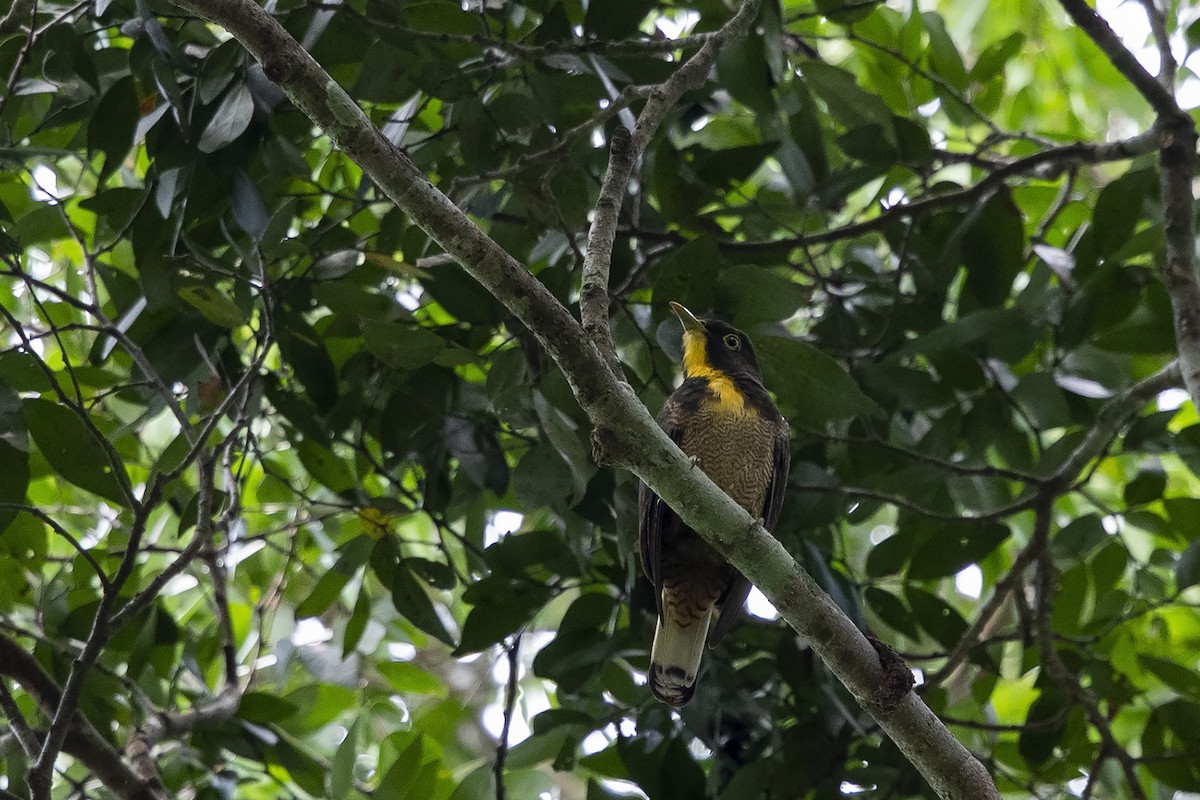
[512, 651]
[1099, 31]
[80, 739]
[625, 433]
[1177, 170]
[625, 150]
[1052, 662]
[1158, 24]
[17, 722]
[593, 293]
[18, 13]
[1037, 163]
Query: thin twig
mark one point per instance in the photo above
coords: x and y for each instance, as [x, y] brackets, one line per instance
[17, 722]
[1158, 25]
[1041, 165]
[1052, 663]
[1011, 580]
[512, 650]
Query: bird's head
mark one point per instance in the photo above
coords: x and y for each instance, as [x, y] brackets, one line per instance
[715, 346]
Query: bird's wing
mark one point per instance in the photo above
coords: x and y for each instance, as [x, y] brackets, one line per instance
[655, 518]
[739, 590]
[777, 488]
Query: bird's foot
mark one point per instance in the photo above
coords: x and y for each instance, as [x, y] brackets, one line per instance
[897, 677]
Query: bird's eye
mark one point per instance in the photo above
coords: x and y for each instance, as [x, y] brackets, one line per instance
[732, 341]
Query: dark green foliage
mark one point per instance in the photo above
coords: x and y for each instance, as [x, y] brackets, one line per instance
[402, 486]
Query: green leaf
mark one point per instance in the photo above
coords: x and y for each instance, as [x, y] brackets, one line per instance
[330, 584]
[72, 451]
[1147, 486]
[846, 99]
[403, 773]
[318, 705]
[615, 19]
[993, 249]
[1184, 515]
[688, 275]
[1169, 739]
[1183, 680]
[809, 384]
[495, 617]
[113, 124]
[995, 56]
[1045, 724]
[332, 472]
[563, 433]
[944, 57]
[341, 772]
[742, 69]
[891, 609]
[14, 454]
[402, 346]
[1118, 209]
[230, 119]
[1070, 599]
[950, 548]
[937, 617]
[356, 625]
[304, 351]
[412, 600]
[987, 327]
[409, 679]
[265, 708]
[1187, 569]
[216, 306]
[1078, 538]
[542, 747]
[889, 556]
[480, 784]
[682, 778]
[750, 296]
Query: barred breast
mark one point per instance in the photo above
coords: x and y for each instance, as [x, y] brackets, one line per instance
[735, 450]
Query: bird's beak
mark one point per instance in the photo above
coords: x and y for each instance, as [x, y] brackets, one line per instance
[689, 320]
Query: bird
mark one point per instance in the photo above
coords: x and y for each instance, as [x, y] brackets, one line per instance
[723, 417]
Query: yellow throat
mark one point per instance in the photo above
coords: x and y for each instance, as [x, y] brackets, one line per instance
[729, 399]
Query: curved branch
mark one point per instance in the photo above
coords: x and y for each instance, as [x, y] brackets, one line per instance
[625, 434]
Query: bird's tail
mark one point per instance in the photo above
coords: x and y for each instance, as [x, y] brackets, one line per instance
[675, 657]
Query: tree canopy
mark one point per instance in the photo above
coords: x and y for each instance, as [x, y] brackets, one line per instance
[303, 495]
